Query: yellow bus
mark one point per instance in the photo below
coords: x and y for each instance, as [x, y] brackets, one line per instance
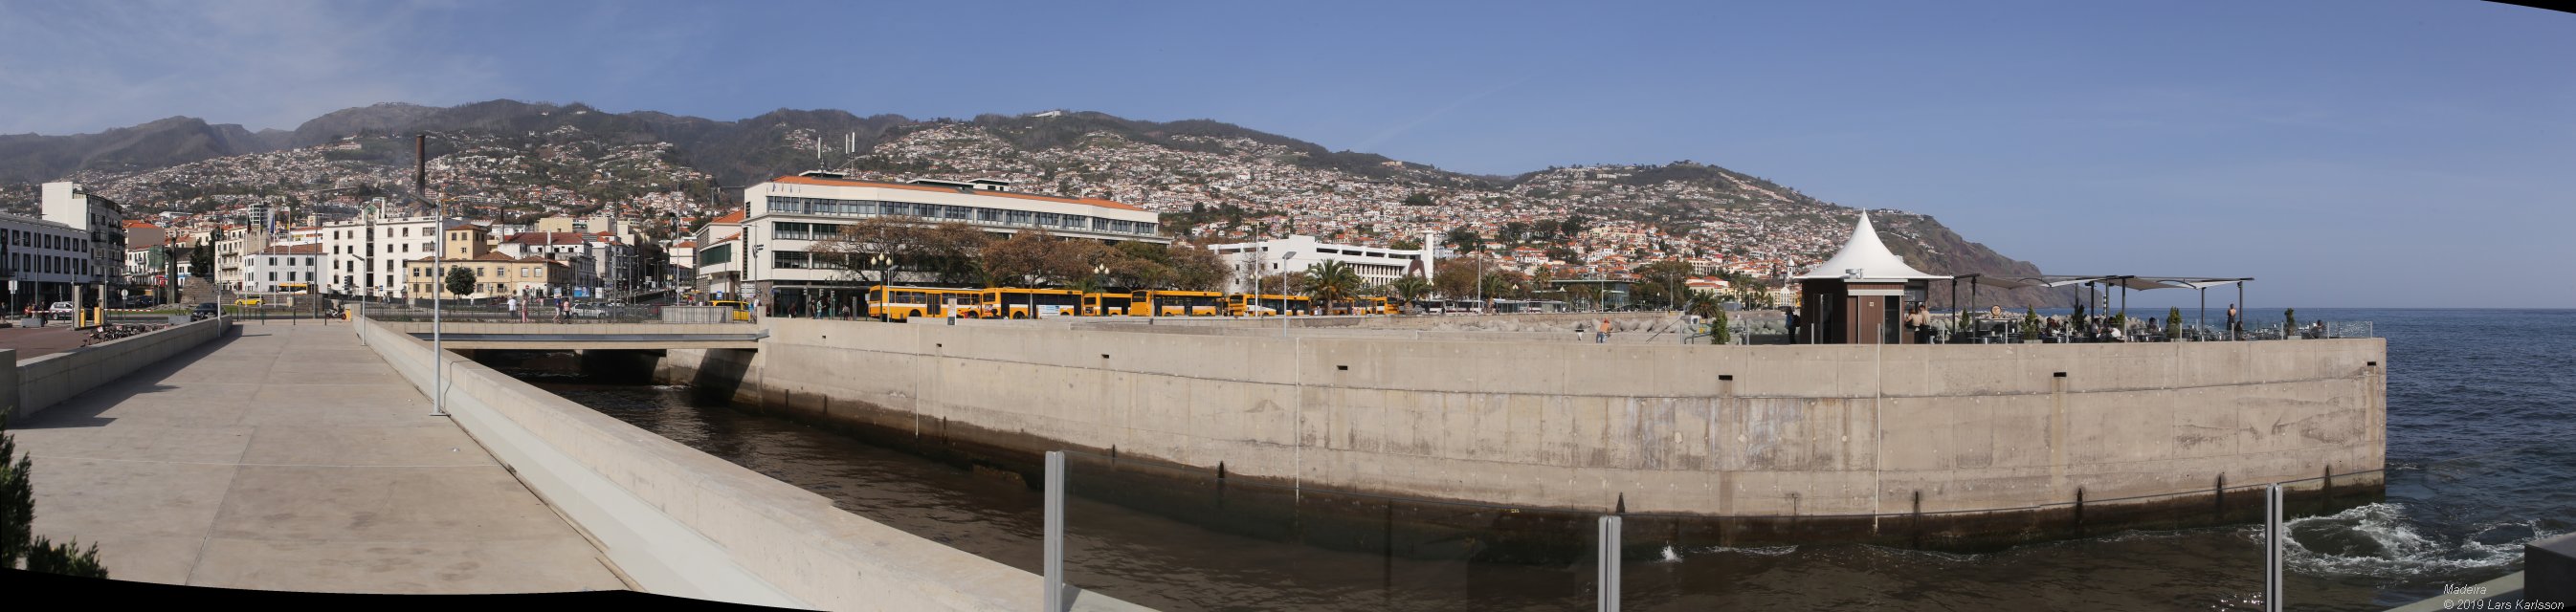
[1240, 304]
[900, 303]
[1018, 303]
[1104, 304]
[1376, 305]
[1174, 304]
[741, 310]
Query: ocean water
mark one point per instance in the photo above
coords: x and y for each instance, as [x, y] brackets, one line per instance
[2481, 406]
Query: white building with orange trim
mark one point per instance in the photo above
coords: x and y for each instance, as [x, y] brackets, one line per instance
[783, 218]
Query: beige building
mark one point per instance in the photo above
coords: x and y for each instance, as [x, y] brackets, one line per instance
[495, 274]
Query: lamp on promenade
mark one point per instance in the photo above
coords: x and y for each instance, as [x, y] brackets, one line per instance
[438, 263]
[1283, 290]
[885, 276]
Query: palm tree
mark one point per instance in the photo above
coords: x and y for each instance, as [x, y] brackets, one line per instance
[1411, 287]
[1333, 281]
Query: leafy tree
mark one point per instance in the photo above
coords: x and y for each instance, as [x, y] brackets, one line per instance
[1572, 225]
[2173, 323]
[459, 280]
[1514, 232]
[2029, 324]
[1021, 260]
[201, 260]
[1418, 199]
[2289, 321]
[1464, 240]
[1658, 282]
[18, 514]
[1545, 229]
[1194, 267]
[1406, 244]
[1455, 277]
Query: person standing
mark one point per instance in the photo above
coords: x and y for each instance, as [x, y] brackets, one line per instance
[2232, 327]
[514, 309]
[1601, 331]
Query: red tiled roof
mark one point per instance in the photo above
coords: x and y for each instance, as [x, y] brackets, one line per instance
[827, 182]
[732, 216]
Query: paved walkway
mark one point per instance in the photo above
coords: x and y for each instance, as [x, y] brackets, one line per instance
[33, 342]
[292, 458]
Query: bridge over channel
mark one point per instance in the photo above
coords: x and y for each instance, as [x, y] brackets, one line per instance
[586, 336]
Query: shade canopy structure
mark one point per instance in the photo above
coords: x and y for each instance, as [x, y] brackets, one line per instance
[1865, 259]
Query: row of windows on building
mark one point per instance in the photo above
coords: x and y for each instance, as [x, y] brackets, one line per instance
[371, 233]
[524, 271]
[291, 276]
[47, 264]
[351, 249]
[482, 288]
[951, 212]
[44, 241]
[1412, 256]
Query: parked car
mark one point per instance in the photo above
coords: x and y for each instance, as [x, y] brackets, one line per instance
[205, 310]
[584, 310]
[142, 301]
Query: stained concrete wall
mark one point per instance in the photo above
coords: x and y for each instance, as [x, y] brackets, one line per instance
[681, 522]
[44, 381]
[1798, 431]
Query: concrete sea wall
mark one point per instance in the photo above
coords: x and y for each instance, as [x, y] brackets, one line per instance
[681, 522]
[1852, 434]
[40, 383]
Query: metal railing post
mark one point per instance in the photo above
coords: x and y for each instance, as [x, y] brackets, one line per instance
[2272, 540]
[1608, 574]
[1054, 565]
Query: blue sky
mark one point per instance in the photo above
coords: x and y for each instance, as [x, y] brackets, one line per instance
[2418, 153]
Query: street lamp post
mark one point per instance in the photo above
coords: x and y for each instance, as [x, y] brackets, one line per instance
[885, 277]
[1283, 291]
[1099, 280]
[437, 303]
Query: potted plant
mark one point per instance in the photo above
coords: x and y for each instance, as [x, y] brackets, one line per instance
[2029, 325]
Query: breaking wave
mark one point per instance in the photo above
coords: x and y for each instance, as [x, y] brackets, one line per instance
[2380, 541]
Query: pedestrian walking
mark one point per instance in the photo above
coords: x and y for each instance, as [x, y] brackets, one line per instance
[1601, 332]
[514, 309]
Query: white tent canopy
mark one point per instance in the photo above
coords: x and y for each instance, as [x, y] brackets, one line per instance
[1864, 259]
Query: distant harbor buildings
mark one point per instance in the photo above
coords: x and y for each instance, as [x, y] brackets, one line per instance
[768, 244]
[1377, 266]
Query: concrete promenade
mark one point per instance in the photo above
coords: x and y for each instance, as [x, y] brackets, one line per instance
[292, 458]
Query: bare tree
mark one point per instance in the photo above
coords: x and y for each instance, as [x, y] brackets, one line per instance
[853, 250]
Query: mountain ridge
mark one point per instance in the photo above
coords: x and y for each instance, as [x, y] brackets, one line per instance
[535, 157]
